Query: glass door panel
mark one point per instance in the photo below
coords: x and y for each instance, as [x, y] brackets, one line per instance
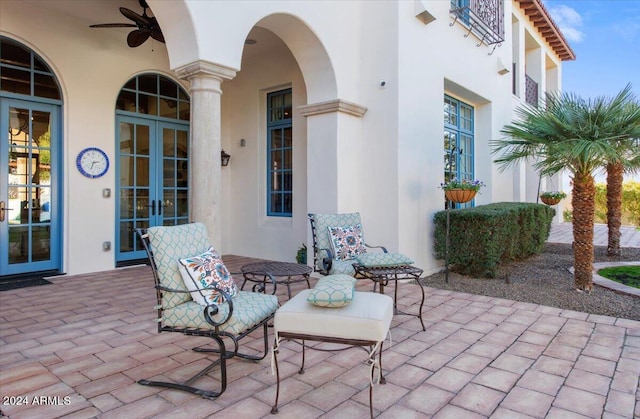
[29, 240]
[136, 207]
[175, 164]
[153, 186]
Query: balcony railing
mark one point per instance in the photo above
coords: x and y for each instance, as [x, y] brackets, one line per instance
[530, 91]
[483, 18]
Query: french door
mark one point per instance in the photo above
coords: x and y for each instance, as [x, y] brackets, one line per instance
[30, 207]
[153, 163]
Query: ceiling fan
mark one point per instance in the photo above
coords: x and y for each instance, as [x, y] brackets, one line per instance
[147, 26]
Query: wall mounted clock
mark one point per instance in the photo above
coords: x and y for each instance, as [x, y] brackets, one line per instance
[92, 162]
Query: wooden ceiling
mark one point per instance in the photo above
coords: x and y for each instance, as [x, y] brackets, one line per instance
[540, 18]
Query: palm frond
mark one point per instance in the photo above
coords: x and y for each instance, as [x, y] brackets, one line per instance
[568, 132]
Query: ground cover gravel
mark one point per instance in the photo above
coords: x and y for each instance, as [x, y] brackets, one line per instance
[545, 279]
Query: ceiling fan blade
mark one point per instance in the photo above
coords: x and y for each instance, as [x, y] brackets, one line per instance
[137, 37]
[131, 15]
[114, 25]
[156, 34]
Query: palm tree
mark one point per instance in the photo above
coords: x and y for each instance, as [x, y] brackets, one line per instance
[568, 132]
[630, 148]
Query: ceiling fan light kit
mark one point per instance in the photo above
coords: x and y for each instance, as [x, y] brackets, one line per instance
[146, 26]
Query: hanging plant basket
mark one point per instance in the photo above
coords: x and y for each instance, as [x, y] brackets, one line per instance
[550, 201]
[460, 196]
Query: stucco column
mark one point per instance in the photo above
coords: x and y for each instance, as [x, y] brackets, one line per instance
[333, 128]
[205, 177]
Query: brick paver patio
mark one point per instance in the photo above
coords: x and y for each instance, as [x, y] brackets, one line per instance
[84, 341]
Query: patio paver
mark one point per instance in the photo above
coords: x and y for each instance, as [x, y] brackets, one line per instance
[90, 337]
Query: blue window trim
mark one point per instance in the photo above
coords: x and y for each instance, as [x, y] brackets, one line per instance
[464, 149]
[279, 125]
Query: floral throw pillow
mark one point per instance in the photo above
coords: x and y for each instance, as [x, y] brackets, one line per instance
[207, 271]
[347, 241]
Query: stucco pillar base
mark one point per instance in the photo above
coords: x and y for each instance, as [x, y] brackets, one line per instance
[205, 177]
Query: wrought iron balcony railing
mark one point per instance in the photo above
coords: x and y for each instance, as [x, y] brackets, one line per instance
[484, 18]
[530, 91]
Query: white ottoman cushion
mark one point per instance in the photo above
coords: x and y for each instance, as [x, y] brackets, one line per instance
[367, 317]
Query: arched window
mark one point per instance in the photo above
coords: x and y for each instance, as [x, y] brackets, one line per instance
[152, 116]
[22, 72]
[154, 95]
[30, 151]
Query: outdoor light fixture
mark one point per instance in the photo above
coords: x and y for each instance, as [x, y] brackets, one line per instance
[224, 158]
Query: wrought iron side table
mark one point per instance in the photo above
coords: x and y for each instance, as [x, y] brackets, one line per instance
[284, 273]
[381, 275]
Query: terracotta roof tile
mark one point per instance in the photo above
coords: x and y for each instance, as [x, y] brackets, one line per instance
[542, 21]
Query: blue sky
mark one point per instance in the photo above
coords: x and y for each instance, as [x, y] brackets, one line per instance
[605, 36]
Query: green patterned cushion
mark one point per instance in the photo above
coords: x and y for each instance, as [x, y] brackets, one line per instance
[169, 244]
[322, 222]
[249, 308]
[342, 267]
[207, 271]
[333, 291]
[383, 259]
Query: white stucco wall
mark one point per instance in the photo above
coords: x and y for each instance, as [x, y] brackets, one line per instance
[436, 59]
[91, 66]
[386, 164]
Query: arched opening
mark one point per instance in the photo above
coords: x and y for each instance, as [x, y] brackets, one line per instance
[152, 162]
[30, 155]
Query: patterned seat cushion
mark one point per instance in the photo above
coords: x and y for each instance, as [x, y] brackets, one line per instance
[333, 291]
[249, 309]
[321, 223]
[170, 244]
[383, 259]
[342, 267]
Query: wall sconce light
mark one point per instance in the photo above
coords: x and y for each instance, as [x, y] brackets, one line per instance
[224, 158]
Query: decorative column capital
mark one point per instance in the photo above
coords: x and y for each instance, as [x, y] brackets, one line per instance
[205, 68]
[335, 105]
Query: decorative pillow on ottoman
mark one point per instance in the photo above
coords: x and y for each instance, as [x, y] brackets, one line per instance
[347, 242]
[333, 291]
[207, 271]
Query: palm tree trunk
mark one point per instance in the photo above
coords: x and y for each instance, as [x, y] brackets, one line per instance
[614, 207]
[583, 202]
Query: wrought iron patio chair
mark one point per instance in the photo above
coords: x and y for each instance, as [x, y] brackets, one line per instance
[231, 320]
[325, 260]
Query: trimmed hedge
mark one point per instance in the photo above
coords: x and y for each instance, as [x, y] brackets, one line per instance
[484, 236]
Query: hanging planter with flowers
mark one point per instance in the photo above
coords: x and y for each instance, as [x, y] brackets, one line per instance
[460, 195]
[553, 197]
[461, 191]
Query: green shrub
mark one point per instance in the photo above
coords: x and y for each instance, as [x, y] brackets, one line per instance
[630, 204]
[484, 236]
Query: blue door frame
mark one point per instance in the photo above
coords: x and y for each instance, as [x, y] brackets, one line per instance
[30, 226]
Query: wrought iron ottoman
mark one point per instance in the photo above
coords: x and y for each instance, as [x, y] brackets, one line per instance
[364, 322]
